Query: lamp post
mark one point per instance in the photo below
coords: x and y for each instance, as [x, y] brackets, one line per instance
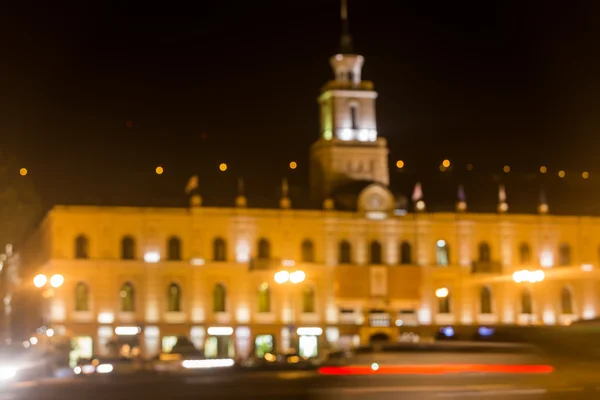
[529, 278]
[41, 281]
[283, 277]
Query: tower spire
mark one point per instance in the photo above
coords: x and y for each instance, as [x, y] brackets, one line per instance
[346, 40]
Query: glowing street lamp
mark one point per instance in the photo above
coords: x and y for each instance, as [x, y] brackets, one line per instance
[525, 276]
[40, 280]
[57, 280]
[442, 293]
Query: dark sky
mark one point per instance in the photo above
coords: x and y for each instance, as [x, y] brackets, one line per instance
[490, 84]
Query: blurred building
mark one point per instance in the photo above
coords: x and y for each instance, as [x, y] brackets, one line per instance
[357, 268]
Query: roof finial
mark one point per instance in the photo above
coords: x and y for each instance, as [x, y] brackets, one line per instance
[502, 204]
[240, 200]
[346, 41]
[461, 204]
[285, 201]
[417, 197]
[543, 206]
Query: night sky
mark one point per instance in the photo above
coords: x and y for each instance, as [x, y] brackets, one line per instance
[93, 98]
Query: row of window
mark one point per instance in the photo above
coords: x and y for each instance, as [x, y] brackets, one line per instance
[526, 306]
[174, 298]
[128, 251]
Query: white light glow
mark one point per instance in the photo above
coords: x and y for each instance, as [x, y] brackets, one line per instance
[282, 276]
[77, 370]
[127, 330]
[346, 134]
[528, 276]
[288, 263]
[587, 267]
[376, 215]
[104, 368]
[33, 340]
[7, 373]
[442, 293]
[40, 280]
[197, 261]
[297, 276]
[374, 366]
[106, 317]
[88, 369]
[372, 135]
[218, 363]
[152, 257]
[220, 331]
[420, 205]
[546, 259]
[50, 332]
[363, 135]
[312, 331]
[57, 280]
[242, 252]
[441, 243]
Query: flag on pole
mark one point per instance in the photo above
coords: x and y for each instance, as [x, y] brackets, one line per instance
[417, 193]
[502, 194]
[192, 184]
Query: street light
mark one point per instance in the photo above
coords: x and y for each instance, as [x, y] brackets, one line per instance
[40, 280]
[57, 280]
[285, 276]
[442, 293]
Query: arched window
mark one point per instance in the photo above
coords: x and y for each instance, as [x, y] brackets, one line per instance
[566, 301]
[264, 249]
[564, 255]
[442, 253]
[174, 296]
[174, 249]
[444, 305]
[353, 115]
[345, 254]
[82, 297]
[524, 253]
[308, 300]
[219, 249]
[526, 303]
[405, 253]
[484, 252]
[485, 300]
[81, 247]
[127, 295]
[375, 252]
[308, 251]
[128, 248]
[264, 298]
[219, 298]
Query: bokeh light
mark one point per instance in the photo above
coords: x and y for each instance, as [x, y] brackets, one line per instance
[159, 170]
[223, 167]
[293, 165]
[400, 164]
[562, 174]
[23, 171]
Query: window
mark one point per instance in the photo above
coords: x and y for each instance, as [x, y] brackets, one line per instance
[82, 298]
[219, 249]
[264, 298]
[485, 306]
[308, 300]
[524, 253]
[174, 296]
[264, 249]
[81, 247]
[484, 252]
[308, 251]
[174, 249]
[127, 298]
[442, 253]
[444, 305]
[566, 301]
[405, 253]
[350, 76]
[526, 303]
[564, 255]
[128, 248]
[219, 298]
[375, 252]
[345, 256]
[353, 116]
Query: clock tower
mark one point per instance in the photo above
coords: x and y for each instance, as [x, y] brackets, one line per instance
[348, 149]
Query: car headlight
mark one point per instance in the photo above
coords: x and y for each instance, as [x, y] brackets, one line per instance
[7, 372]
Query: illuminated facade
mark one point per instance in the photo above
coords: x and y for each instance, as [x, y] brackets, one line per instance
[140, 277]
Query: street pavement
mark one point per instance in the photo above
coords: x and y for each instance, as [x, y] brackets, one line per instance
[296, 385]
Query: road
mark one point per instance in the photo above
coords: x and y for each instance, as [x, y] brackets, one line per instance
[293, 385]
